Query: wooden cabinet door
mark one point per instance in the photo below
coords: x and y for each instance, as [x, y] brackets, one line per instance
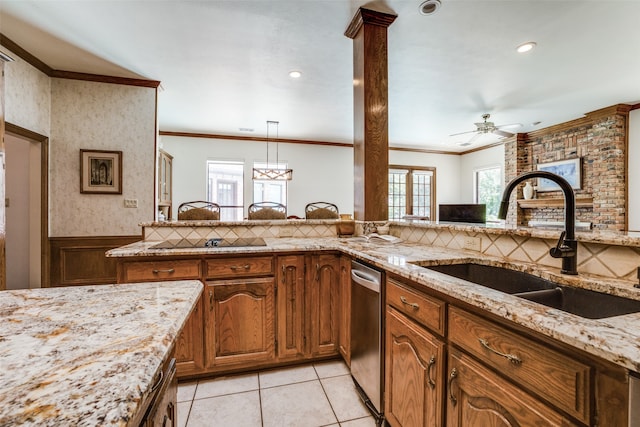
[414, 376]
[290, 288]
[323, 300]
[477, 396]
[344, 326]
[190, 344]
[164, 411]
[240, 321]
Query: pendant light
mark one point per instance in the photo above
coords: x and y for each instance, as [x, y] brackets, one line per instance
[268, 173]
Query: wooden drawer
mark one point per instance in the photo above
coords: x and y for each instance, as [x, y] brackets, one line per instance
[424, 309]
[559, 379]
[239, 267]
[161, 270]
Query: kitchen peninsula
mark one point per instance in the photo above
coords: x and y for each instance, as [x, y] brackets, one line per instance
[580, 368]
[91, 355]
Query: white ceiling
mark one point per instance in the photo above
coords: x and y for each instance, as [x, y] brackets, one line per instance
[224, 64]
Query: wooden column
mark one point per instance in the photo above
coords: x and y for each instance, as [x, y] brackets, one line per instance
[368, 29]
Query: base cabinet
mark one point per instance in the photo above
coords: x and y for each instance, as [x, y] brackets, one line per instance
[344, 333]
[290, 287]
[240, 321]
[163, 409]
[479, 397]
[323, 300]
[308, 299]
[414, 375]
[190, 343]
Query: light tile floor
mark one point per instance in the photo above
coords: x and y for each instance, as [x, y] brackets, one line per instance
[313, 395]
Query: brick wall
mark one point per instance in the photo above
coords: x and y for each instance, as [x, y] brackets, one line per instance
[600, 140]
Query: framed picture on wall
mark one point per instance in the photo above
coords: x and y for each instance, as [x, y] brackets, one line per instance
[100, 172]
[567, 169]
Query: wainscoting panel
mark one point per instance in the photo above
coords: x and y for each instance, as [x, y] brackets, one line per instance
[82, 261]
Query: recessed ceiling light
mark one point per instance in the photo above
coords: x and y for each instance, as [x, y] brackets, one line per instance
[295, 74]
[525, 47]
[429, 7]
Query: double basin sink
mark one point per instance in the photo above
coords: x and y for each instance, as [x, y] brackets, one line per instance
[578, 301]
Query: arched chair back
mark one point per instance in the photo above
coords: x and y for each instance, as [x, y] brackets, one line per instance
[321, 210]
[267, 210]
[199, 210]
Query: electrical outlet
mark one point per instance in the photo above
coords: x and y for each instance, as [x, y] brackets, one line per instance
[472, 243]
[285, 232]
[130, 203]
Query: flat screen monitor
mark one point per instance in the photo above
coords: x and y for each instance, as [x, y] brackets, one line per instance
[473, 213]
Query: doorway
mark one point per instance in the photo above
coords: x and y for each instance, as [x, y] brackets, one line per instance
[26, 160]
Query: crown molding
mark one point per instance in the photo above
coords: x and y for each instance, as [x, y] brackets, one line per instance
[71, 75]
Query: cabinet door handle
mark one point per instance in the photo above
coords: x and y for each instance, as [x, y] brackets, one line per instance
[410, 304]
[169, 270]
[210, 300]
[283, 274]
[317, 272]
[510, 357]
[452, 376]
[245, 267]
[431, 363]
[158, 383]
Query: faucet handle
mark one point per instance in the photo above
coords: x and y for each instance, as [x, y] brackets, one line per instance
[557, 252]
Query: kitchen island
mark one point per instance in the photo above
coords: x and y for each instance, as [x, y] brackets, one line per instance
[90, 355]
[545, 366]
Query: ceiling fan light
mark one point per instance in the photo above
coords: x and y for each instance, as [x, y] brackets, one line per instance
[429, 7]
[525, 47]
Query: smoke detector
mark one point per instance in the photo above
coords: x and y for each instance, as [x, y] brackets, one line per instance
[430, 7]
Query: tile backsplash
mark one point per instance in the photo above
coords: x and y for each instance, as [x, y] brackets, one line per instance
[607, 260]
[611, 261]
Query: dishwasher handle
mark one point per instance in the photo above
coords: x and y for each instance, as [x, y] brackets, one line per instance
[366, 280]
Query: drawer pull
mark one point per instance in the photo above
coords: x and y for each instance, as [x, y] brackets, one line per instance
[431, 363]
[245, 267]
[452, 376]
[169, 270]
[510, 357]
[410, 304]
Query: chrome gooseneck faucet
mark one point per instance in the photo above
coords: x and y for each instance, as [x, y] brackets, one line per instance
[567, 247]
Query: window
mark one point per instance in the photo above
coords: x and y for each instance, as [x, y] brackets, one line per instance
[225, 182]
[268, 190]
[488, 190]
[411, 192]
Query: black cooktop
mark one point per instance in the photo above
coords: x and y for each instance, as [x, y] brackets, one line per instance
[210, 243]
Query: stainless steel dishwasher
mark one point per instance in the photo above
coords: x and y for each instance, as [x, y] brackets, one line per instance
[366, 336]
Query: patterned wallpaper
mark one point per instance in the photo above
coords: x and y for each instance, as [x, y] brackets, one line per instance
[27, 95]
[102, 116]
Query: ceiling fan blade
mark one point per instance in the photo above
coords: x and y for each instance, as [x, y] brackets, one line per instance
[462, 133]
[503, 133]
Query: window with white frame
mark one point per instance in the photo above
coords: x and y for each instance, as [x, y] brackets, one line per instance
[270, 190]
[225, 186]
[488, 189]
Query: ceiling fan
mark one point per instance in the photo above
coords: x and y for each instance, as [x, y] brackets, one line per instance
[486, 127]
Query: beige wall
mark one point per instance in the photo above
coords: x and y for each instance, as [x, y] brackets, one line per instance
[27, 96]
[101, 116]
[87, 115]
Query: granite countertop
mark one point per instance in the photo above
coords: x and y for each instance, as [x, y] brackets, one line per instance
[86, 356]
[616, 339]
